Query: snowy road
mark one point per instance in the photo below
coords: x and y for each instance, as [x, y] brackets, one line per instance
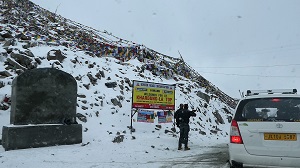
[214, 157]
[87, 157]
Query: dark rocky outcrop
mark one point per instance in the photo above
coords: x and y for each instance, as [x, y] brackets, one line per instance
[55, 55]
[111, 84]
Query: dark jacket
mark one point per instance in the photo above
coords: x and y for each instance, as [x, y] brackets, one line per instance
[184, 116]
[176, 114]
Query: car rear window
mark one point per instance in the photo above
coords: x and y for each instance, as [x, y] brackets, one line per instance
[269, 109]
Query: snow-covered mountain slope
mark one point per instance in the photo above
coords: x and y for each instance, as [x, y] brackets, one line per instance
[32, 37]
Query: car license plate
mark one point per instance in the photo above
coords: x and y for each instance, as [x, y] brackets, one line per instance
[280, 136]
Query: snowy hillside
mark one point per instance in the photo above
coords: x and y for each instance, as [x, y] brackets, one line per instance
[32, 37]
[92, 90]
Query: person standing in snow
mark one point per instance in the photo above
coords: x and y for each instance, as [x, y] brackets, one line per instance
[176, 114]
[183, 122]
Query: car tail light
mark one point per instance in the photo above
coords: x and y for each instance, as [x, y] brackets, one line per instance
[235, 135]
[275, 100]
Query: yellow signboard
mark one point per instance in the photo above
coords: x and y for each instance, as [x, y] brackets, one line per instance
[150, 95]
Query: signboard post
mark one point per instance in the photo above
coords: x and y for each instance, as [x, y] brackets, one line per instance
[149, 95]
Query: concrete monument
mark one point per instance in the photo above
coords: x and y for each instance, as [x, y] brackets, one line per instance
[43, 110]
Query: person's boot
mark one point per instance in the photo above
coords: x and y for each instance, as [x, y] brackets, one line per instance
[186, 148]
[179, 147]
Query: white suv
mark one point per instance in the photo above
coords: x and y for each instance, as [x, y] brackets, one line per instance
[265, 130]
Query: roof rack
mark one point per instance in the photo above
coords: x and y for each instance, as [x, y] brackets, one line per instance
[280, 91]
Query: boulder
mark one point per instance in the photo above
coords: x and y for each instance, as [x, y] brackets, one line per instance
[27, 52]
[87, 86]
[26, 38]
[102, 74]
[8, 43]
[118, 139]
[3, 53]
[4, 74]
[81, 95]
[115, 102]
[219, 118]
[81, 117]
[24, 60]
[98, 75]
[111, 84]
[92, 79]
[55, 55]
[203, 96]
[15, 64]
[121, 87]
[127, 80]
[6, 35]
[2, 84]
[26, 45]
[3, 107]
[38, 60]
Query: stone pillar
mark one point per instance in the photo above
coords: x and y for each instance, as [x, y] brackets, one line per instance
[46, 99]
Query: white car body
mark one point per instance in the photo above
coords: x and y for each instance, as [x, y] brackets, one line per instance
[272, 137]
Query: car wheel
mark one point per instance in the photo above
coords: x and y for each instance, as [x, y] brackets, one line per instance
[233, 165]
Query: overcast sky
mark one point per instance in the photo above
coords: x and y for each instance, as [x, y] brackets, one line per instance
[237, 45]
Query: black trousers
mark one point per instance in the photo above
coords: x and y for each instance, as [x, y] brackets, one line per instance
[184, 134]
